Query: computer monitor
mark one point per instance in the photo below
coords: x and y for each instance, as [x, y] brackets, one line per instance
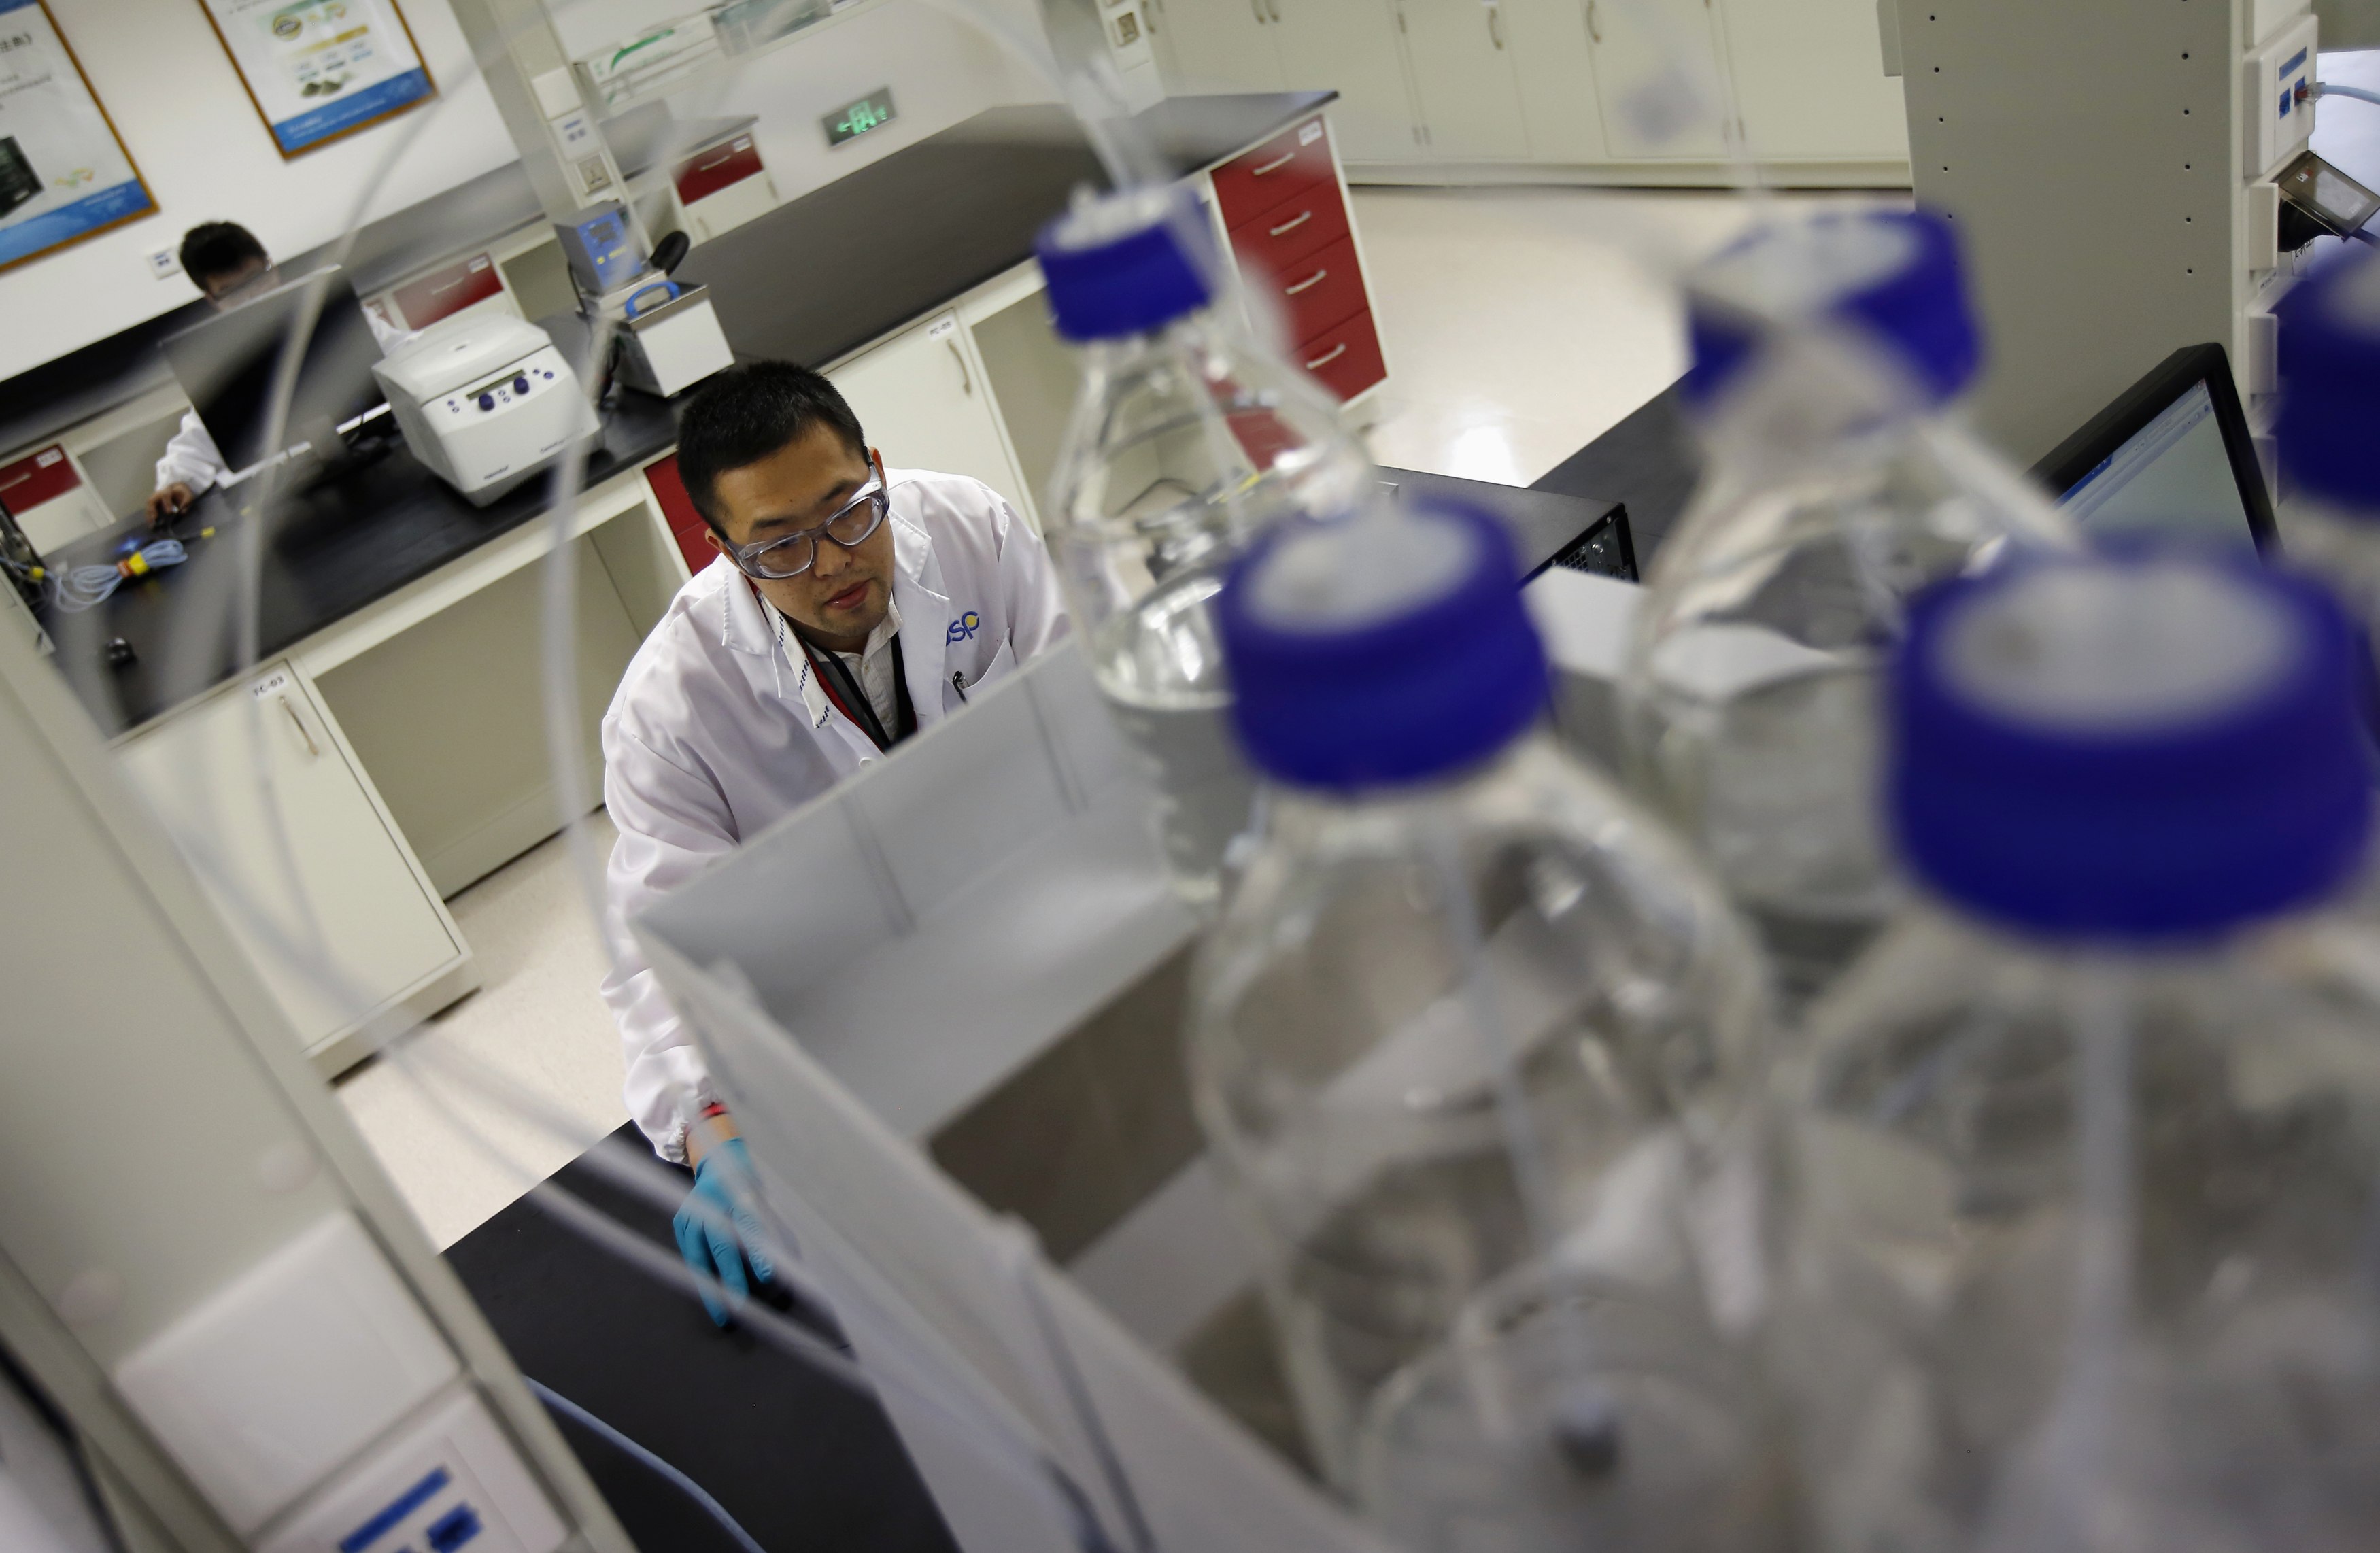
[2171, 457]
[227, 366]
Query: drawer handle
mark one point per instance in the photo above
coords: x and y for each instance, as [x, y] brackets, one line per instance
[1300, 219]
[1328, 357]
[1257, 6]
[1496, 24]
[311, 748]
[1275, 166]
[1308, 283]
[966, 379]
[1593, 23]
[721, 160]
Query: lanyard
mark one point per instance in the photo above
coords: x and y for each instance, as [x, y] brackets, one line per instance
[835, 679]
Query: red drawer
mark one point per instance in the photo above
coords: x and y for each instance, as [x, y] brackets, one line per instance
[714, 167]
[1288, 164]
[1316, 293]
[677, 509]
[1295, 229]
[37, 477]
[1346, 361]
[444, 293]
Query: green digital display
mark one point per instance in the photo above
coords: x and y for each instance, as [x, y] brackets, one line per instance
[853, 120]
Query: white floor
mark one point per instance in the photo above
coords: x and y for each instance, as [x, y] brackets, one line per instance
[1520, 324]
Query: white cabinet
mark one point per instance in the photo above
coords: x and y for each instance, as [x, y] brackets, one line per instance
[1350, 45]
[1218, 45]
[1555, 64]
[293, 846]
[1657, 73]
[1463, 74]
[1783, 50]
[1569, 83]
[923, 402]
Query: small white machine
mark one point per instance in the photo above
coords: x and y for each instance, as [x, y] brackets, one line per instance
[669, 338]
[485, 402]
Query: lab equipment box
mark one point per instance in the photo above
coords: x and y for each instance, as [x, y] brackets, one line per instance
[969, 960]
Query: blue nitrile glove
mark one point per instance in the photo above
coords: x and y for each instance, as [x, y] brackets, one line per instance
[722, 1196]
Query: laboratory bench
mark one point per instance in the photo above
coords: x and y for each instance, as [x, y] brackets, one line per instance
[395, 701]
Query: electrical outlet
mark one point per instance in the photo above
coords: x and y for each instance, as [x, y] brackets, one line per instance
[2277, 112]
[164, 263]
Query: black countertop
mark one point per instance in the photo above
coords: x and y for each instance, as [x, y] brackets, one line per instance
[824, 275]
[805, 281]
[328, 552]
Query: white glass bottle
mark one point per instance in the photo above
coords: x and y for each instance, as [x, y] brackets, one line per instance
[1187, 440]
[1825, 355]
[1476, 1043]
[2087, 1148]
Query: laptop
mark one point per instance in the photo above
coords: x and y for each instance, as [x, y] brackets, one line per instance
[2171, 457]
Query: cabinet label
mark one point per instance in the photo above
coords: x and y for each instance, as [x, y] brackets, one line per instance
[271, 683]
[936, 329]
[1310, 133]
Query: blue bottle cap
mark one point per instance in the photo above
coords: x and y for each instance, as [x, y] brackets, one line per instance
[1381, 650]
[1127, 263]
[2138, 747]
[1895, 275]
[2329, 425]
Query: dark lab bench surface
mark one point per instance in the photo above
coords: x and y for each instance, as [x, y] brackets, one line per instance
[810, 281]
[825, 273]
[327, 553]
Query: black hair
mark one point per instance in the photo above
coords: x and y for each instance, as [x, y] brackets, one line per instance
[748, 412]
[219, 248]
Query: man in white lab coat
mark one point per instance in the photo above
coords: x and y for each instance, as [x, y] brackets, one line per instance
[228, 265]
[851, 605]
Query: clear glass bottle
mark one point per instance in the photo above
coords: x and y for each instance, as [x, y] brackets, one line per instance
[1187, 440]
[1475, 1044]
[1825, 354]
[2329, 428]
[2086, 1151]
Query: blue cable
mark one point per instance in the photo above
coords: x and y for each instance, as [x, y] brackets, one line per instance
[2362, 94]
[677, 1479]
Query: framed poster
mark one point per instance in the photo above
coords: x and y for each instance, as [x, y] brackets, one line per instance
[319, 69]
[65, 176]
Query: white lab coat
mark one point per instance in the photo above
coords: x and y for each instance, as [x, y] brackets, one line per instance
[191, 456]
[720, 727]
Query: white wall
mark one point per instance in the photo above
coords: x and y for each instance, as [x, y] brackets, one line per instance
[206, 156]
[166, 80]
[942, 69]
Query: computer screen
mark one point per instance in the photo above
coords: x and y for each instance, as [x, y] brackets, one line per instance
[2171, 457]
[227, 364]
[2172, 477]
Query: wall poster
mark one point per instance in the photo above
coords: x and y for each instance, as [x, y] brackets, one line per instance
[65, 176]
[318, 69]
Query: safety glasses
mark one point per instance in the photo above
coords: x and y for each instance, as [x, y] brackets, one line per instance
[793, 555]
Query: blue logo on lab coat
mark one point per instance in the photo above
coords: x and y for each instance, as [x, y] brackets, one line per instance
[963, 627]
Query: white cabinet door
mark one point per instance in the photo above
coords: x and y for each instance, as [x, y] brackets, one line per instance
[1810, 81]
[922, 400]
[1556, 68]
[1220, 45]
[1352, 45]
[1657, 79]
[1463, 71]
[354, 883]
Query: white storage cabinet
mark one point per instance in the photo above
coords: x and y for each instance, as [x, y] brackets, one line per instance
[318, 856]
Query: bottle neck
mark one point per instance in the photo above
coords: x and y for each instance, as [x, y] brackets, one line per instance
[1296, 815]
